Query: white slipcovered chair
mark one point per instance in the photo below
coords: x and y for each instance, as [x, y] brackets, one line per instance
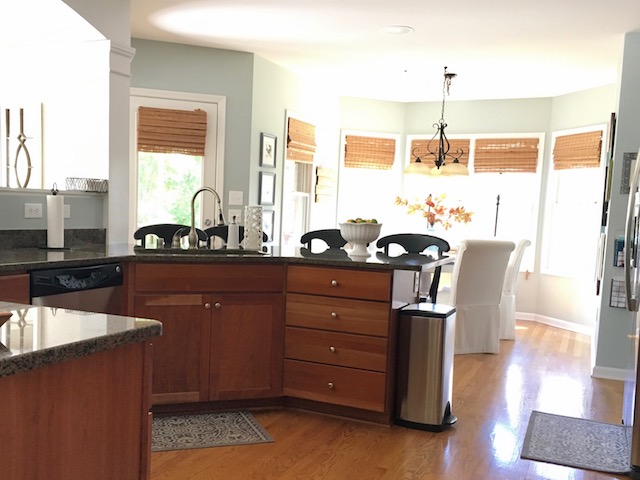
[476, 289]
[508, 300]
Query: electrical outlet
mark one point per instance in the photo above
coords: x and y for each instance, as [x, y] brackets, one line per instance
[233, 212]
[32, 210]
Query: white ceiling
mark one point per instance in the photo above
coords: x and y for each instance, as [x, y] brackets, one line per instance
[498, 48]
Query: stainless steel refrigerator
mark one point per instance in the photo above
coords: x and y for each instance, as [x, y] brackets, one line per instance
[631, 401]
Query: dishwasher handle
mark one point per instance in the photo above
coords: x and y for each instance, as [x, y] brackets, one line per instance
[63, 280]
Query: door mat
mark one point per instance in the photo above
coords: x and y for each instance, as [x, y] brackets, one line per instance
[578, 443]
[181, 432]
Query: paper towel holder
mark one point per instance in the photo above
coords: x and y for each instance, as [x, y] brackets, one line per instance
[54, 191]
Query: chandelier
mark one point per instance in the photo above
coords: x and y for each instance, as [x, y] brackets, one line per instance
[444, 162]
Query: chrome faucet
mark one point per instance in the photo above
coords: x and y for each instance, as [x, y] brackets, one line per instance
[193, 235]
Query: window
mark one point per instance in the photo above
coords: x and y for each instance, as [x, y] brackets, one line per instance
[574, 197]
[370, 178]
[177, 144]
[171, 147]
[502, 190]
[297, 181]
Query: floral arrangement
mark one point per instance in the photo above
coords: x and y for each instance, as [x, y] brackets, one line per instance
[434, 210]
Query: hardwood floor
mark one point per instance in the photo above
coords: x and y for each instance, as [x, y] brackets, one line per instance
[545, 369]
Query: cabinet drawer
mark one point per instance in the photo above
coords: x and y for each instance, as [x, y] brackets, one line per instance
[341, 315]
[184, 277]
[336, 282]
[337, 385]
[343, 349]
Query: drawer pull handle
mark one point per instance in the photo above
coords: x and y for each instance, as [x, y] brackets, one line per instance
[207, 305]
[331, 385]
[217, 304]
[332, 349]
[334, 283]
[334, 315]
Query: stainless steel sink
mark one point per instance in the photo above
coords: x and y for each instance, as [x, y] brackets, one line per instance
[222, 252]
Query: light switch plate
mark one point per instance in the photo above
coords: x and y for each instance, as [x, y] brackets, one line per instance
[235, 197]
[67, 210]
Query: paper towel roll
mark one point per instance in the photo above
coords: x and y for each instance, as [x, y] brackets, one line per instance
[232, 235]
[55, 221]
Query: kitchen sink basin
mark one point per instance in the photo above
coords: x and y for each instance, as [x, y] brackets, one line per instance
[222, 252]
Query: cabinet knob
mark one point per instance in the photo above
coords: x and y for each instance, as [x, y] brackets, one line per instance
[217, 304]
[331, 385]
[332, 349]
[334, 315]
[334, 283]
[207, 305]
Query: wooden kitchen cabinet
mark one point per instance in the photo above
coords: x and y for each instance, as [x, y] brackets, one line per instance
[181, 354]
[222, 330]
[15, 288]
[340, 340]
[246, 346]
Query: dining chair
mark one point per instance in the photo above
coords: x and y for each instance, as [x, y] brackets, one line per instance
[508, 299]
[166, 231]
[476, 289]
[419, 243]
[330, 236]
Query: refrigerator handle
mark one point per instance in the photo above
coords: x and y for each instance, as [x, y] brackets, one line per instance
[629, 238]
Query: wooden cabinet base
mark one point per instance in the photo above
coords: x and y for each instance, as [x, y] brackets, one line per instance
[339, 411]
[86, 418]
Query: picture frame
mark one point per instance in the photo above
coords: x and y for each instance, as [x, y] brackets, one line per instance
[267, 188]
[268, 219]
[268, 146]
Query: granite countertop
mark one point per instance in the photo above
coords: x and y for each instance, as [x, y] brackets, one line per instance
[34, 337]
[19, 260]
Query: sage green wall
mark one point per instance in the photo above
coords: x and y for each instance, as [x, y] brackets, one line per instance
[617, 327]
[277, 92]
[185, 68]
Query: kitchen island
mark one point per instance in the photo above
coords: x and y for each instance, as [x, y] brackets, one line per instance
[240, 330]
[75, 388]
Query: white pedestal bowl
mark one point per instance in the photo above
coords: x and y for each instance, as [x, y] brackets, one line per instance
[359, 235]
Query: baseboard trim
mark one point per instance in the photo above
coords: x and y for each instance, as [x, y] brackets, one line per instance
[608, 373]
[556, 322]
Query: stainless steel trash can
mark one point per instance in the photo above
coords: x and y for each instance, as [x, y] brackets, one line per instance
[424, 376]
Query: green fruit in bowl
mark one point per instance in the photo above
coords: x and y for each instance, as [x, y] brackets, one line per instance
[373, 220]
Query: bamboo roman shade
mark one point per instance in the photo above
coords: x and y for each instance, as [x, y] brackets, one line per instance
[580, 150]
[420, 148]
[164, 130]
[301, 141]
[501, 155]
[369, 152]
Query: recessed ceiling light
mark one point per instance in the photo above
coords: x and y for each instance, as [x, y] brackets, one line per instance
[397, 30]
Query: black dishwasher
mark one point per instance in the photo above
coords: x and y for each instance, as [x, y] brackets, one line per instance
[96, 288]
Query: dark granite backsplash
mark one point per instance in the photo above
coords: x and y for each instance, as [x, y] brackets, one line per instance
[38, 238]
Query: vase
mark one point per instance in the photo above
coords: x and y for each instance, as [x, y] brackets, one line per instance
[252, 228]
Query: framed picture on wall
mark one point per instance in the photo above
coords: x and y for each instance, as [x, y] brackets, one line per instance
[268, 217]
[267, 150]
[267, 188]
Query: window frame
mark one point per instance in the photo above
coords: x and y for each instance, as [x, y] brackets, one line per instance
[213, 160]
[551, 193]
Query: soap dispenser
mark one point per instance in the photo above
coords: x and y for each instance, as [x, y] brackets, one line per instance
[232, 235]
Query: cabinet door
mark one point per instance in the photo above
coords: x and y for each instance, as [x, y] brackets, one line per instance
[181, 354]
[246, 346]
[15, 288]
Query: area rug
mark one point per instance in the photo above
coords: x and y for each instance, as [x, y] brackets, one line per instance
[578, 443]
[181, 432]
